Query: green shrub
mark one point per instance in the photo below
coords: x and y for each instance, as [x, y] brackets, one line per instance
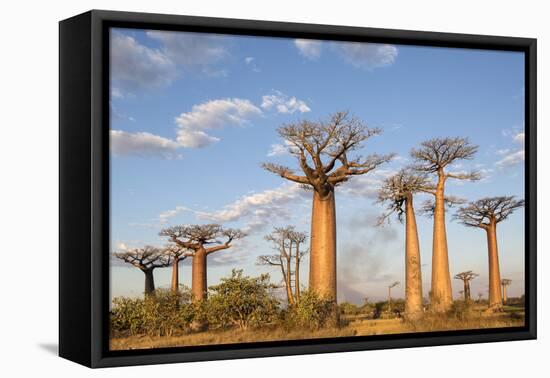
[160, 314]
[312, 312]
[241, 301]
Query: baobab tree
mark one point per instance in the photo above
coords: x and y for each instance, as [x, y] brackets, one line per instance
[434, 157]
[146, 259]
[178, 254]
[322, 150]
[391, 286]
[196, 238]
[486, 213]
[286, 241]
[466, 277]
[398, 191]
[505, 282]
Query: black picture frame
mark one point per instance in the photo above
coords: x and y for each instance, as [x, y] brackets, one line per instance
[84, 187]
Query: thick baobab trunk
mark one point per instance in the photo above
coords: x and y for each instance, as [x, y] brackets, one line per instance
[441, 297]
[149, 282]
[198, 275]
[467, 296]
[504, 295]
[322, 268]
[174, 285]
[297, 275]
[495, 297]
[413, 274]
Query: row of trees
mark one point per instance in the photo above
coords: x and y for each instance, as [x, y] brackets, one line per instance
[323, 151]
[195, 241]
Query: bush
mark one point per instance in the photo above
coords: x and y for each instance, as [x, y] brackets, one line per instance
[242, 301]
[160, 314]
[312, 312]
[461, 309]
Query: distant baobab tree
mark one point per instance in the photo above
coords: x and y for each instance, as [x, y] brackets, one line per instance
[322, 149]
[398, 191]
[391, 286]
[466, 277]
[146, 259]
[196, 238]
[286, 241]
[434, 157]
[486, 213]
[178, 254]
[505, 282]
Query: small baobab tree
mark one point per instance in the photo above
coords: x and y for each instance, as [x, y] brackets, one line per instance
[434, 157]
[323, 152]
[505, 282]
[398, 191]
[391, 286]
[486, 213]
[178, 254]
[146, 259]
[466, 277]
[287, 242]
[196, 238]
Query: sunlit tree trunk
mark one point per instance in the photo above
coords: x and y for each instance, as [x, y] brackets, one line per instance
[198, 275]
[322, 271]
[504, 295]
[467, 295]
[413, 274]
[495, 296]
[297, 274]
[441, 298]
[174, 285]
[149, 282]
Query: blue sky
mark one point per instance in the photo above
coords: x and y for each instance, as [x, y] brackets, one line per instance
[193, 116]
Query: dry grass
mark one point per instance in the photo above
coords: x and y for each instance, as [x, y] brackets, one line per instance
[356, 326]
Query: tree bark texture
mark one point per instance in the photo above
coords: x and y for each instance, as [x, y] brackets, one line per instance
[322, 271]
[174, 285]
[441, 297]
[149, 282]
[413, 273]
[198, 275]
[495, 296]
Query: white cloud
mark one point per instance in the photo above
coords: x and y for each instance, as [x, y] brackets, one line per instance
[358, 54]
[283, 104]
[257, 209]
[309, 48]
[135, 66]
[520, 138]
[214, 114]
[516, 157]
[165, 216]
[367, 55]
[190, 48]
[277, 150]
[142, 144]
[248, 59]
[366, 185]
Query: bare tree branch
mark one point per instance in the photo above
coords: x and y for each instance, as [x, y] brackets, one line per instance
[486, 211]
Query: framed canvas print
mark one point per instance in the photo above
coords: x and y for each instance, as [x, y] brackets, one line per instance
[234, 188]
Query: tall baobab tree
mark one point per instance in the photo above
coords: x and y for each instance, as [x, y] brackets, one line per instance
[196, 238]
[434, 157]
[146, 259]
[286, 241]
[391, 286]
[486, 213]
[398, 191]
[322, 150]
[505, 282]
[178, 254]
[466, 277]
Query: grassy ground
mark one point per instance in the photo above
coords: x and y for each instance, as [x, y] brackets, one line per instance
[355, 326]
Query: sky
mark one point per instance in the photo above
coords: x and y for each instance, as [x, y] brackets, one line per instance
[193, 116]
